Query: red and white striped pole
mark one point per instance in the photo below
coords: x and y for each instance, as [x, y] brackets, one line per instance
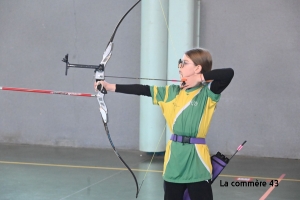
[47, 91]
[74, 93]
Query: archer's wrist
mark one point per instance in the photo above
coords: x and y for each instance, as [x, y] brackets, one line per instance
[111, 87]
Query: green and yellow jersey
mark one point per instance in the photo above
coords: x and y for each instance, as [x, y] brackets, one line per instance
[188, 113]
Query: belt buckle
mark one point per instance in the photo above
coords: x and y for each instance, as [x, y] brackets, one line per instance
[186, 139]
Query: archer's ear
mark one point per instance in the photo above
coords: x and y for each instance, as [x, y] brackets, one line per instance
[198, 69]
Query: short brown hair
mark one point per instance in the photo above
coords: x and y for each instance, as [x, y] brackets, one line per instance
[201, 57]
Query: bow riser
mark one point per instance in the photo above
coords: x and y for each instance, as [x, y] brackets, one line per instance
[103, 108]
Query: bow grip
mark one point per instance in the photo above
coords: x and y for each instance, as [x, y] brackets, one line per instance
[101, 88]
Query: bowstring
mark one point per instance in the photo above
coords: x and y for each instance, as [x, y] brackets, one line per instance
[167, 25]
[152, 158]
[164, 129]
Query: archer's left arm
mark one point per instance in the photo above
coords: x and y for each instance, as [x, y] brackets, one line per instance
[220, 79]
[136, 89]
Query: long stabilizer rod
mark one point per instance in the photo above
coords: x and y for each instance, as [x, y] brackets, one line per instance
[47, 91]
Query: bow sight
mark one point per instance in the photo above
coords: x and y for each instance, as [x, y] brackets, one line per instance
[99, 67]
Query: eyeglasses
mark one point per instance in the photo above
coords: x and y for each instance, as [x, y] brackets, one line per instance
[181, 63]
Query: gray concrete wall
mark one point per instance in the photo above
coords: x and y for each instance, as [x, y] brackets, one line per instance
[35, 36]
[259, 39]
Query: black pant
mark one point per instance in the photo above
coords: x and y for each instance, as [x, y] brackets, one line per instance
[197, 191]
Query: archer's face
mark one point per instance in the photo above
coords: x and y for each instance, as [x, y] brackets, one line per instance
[187, 67]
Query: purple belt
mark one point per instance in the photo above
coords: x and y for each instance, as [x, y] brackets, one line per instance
[188, 140]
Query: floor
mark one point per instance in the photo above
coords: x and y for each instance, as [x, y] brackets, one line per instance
[42, 173]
